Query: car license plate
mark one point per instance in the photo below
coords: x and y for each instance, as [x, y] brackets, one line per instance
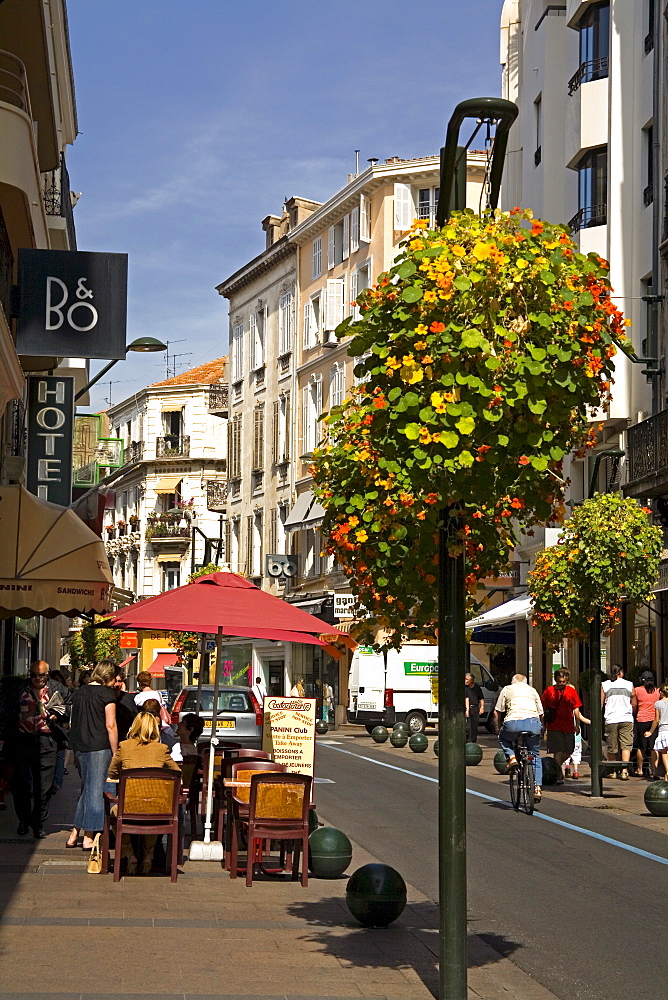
[224, 724]
[365, 706]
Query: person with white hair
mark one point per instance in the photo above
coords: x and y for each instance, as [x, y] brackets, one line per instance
[519, 710]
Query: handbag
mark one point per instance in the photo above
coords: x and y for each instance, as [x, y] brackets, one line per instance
[95, 859]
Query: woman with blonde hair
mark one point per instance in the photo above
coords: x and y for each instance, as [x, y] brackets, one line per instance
[141, 749]
[94, 739]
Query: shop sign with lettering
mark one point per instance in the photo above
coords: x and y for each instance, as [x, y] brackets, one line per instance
[50, 429]
[288, 732]
[72, 304]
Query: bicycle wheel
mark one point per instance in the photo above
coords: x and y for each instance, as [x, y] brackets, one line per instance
[515, 787]
[528, 787]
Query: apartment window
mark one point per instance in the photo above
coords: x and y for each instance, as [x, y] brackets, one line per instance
[285, 308]
[359, 280]
[228, 542]
[594, 32]
[281, 429]
[312, 546]
[316, 269]
[256, 335]
[427, 204]
[538, 120]
[311, 410]
[234, 446]
[648, 192]
[345, 249]
[273, 533]
[404, 207]
[355, 229]
[312, 320]
[249, 544]
[592, 190]
[258, 438]
[335, 303]
[235, 547]
[171, 576]
[335, 244]
[649, 37]
[336, 384]
[256, 569]
[238, 352]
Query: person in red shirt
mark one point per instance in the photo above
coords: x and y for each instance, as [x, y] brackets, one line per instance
[562, 707]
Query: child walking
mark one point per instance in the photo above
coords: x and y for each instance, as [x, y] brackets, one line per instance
[576, 757]
[661, 722]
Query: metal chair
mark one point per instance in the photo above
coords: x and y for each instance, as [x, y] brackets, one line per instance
[147, 803]
[278, 811]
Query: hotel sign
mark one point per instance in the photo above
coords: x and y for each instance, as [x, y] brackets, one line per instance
[72, 304]
[50, 429]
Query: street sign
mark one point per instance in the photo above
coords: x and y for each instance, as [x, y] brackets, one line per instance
[50, 419]
[344, 605]
[288, 732]
[72, 304]
[129, 640]
[281, 565]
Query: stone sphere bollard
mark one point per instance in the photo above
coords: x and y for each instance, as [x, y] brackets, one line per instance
[500, 762]
[321, 727]
[551, 771]
[376, 895]
[400, 727]
[398, 738]
[473, 754]
[329, 852]
[656, 798]
[436, 747]
[418, 743]
[379, 734]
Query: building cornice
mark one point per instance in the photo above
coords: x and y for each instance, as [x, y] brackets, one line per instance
[256, 267]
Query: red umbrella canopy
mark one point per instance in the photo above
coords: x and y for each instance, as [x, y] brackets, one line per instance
[223, 601]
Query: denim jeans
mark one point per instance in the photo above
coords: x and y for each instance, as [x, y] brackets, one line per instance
[508, 735]
[93, 768]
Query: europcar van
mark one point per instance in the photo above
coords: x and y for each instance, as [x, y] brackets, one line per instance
[408, 692]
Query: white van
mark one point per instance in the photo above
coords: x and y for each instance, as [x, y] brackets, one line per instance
[409, 691]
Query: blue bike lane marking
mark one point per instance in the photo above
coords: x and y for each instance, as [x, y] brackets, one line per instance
[536, 815]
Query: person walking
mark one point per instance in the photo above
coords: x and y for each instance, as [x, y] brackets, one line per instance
[34, 741]
[522, 712]
[562, 705]
[298, 690]
[94, 739]
[618, 701]
[126, 709]
[475, 704]
[647, 695]
[661, 723]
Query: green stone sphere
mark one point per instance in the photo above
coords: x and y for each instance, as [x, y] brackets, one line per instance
[436, 747]
[500, 762]
[551, 771]
[376, 895]
[473, 754]
[398, 738]
[656, 798]
[400, 727]
[313, 823]
[329, 852]
[418, 743]
[321, 727]
[379, 734]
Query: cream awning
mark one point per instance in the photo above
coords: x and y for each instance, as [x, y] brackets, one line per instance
[168, 484]
[172, 407]
[519, 609]
[51, 563]
[306, 513]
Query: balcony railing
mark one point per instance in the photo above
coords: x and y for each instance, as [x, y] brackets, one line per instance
[58, 200]
[219, 399]
[6, 268]
[648, 448]
[586, 218]
[172, 446]
[169, 529]
[134, 452]
[594, 69]
[14, 82]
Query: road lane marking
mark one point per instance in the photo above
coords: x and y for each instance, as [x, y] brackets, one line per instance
[536, 815]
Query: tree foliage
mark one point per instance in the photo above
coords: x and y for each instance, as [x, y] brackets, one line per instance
[480, 353]
[607, 549]
[91, 645]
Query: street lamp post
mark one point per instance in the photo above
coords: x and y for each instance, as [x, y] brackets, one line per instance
[143, 345]
[595, 709]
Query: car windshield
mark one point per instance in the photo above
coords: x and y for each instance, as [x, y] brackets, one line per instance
[228, 701]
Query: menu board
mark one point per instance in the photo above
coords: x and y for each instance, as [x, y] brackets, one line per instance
[288, 732]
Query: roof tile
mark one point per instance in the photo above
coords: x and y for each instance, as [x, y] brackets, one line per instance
[208, 374]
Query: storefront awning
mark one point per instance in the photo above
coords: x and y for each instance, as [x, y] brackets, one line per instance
[519, 609]
[312, 607]
[306, 513]
[162, 662]
[168, 484]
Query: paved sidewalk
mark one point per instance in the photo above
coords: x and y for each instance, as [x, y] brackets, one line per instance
[73, 936]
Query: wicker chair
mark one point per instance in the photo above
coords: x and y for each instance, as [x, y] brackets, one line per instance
[242, 770]
[278, 810]
[147, 803]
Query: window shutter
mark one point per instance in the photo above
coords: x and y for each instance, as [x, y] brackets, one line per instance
[365, 218]
[331, 247]
[306, 424]
[288, 431]
[353, 293]
[403, 207]
[317, 411]
[274, 432]
[252, 345]
[334, 303]
[307, 324]
[316, 268]
[355, 229]
[345, 253]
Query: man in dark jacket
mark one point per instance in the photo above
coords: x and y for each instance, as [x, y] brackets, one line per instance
[34, 734]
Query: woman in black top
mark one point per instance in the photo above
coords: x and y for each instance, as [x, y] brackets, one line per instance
[94, 739]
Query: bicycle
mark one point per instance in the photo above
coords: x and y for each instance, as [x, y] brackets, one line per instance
[522, 783]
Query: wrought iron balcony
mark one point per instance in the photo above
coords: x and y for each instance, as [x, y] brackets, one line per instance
[14, 82]
[586, 218]
[647, 471]
[594, 69]
[58, 200]
[166, 529]
[172, 446]
[219, 399]
[134, 452]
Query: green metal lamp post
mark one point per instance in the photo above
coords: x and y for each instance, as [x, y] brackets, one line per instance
[595, 709]
[451, 598]
[143, 345]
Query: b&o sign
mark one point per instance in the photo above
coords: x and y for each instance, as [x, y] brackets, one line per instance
[281, 566]
[72, 304]
[50, 429]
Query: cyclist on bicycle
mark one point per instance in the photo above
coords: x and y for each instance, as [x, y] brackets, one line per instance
[522, 712]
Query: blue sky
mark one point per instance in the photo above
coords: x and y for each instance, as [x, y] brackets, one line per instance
[198, 119]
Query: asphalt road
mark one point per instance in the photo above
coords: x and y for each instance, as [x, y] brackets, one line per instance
[583, 917]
